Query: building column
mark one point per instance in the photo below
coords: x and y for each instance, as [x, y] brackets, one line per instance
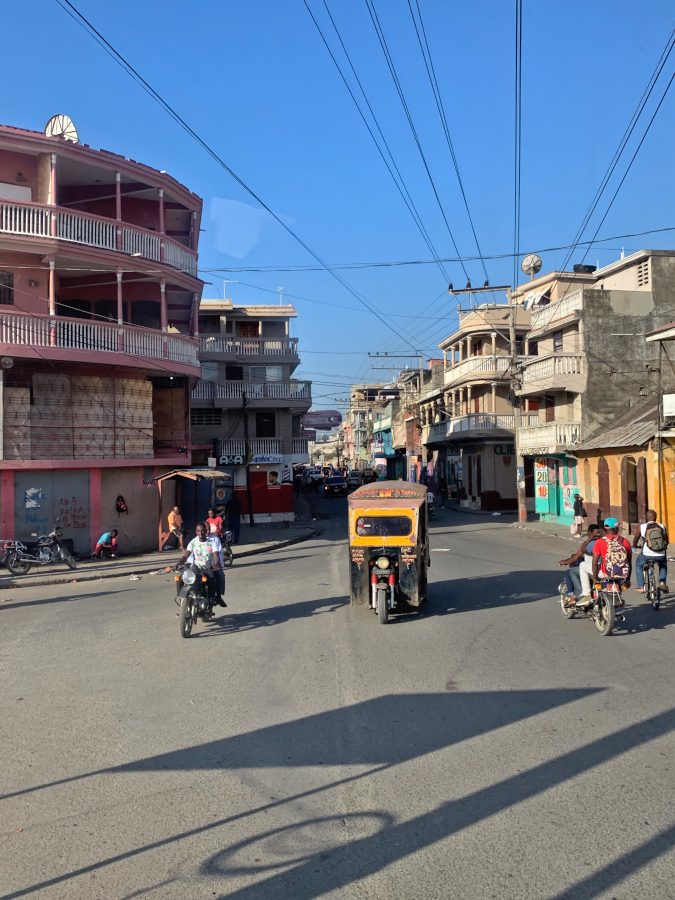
[163, 312]
[445, 360]
[468, 399]
[461, 351]
[195, 315]
[494, 343]
[95, 521]
[52, 288]
[526, 346]
[494, 398]
[118, 208]
[194, 232]
[7, 504]
[468, 347]
[120, 306]
[161, 211]
[52, 190]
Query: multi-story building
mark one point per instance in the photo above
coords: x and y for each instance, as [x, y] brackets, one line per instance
[587, 363]
[469, 422]
[246, 392]
[98, 305]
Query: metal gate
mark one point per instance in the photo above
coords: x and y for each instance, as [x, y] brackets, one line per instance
[42, 498]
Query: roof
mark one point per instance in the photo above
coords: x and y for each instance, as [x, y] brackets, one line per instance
[268, 310]
[634, 429]
[389, 490]
[196, 474]
[664, 333]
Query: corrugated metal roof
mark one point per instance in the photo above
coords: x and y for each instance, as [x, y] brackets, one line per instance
[633, 429]
[196, 474]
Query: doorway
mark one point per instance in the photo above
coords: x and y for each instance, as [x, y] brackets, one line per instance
[603, 489]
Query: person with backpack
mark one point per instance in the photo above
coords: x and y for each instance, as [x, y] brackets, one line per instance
[611, 557]
[652, 542]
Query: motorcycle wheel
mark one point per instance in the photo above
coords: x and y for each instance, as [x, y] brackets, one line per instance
[185, 618]
[603, 615]
[569, 612]
[382, 606]
[228, 556]
[68, 558]
[16, 565]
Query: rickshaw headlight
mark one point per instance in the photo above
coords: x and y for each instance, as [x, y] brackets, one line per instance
[382, 562]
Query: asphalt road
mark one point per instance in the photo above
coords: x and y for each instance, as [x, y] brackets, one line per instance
[294, 748]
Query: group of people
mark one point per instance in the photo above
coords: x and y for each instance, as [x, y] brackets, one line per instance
[217, 522]
[606, 555]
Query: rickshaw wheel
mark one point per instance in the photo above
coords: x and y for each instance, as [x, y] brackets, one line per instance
[382, 606]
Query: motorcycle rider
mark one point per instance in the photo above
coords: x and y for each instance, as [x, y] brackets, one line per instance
[652, 543]
[573, 576]
[204, 551]
[612, 556]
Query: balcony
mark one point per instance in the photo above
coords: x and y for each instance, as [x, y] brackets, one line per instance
[480, 368]
[562, 372]
[300, 446]
[266, 393]
[258, 446]
[554, 437]
[557, 311]
[236, 348]
[34, 220]
[76, 340]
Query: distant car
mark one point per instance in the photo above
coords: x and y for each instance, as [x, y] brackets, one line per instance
[335, 486]
[369, 475]
[354, 479]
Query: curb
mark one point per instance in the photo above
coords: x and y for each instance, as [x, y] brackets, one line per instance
[560, 537]
[73, 577]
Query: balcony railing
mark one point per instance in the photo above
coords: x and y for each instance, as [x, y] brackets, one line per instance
[250, 346]
[259, 447]
[480, 422]
[300, 446]
[557, 309]
[55, 332]
[254, 390]
[480, 367]
[554, 366]
[40, 221]
[550, 438]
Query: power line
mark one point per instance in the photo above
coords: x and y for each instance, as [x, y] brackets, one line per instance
[517, 136]
[147, 87]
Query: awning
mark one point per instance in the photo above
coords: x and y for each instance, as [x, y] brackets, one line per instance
[196, 474]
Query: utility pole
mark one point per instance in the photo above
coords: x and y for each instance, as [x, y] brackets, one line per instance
[515, 384]
[247, 461]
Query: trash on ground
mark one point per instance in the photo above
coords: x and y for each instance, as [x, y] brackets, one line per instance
[135, 578]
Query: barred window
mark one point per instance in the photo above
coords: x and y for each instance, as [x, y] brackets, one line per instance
[206, 416]
[6, 288]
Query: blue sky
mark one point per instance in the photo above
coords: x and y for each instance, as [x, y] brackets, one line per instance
[254, 79]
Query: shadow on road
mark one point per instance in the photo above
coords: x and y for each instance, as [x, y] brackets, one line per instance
[233, 622]
[13, 604]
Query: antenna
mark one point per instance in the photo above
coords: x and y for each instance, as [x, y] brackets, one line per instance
[531, 264]
[63, 126]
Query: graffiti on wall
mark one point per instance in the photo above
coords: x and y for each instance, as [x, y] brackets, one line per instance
[70, 513]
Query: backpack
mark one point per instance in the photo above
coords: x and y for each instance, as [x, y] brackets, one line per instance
[655, 539]
[616, 558]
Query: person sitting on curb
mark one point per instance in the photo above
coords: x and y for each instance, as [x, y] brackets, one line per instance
[107, 541]
[652, 542]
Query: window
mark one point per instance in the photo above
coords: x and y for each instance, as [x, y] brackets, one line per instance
[206, 416]
[265, 425]
[643, 274]
[266, 373]
[76, 309]
[383, 526]
[248, 329]
[209, 371]
[477, 348]
[234, 373]
[570, 471]
[6, 288]
[209, 325]
[557, 341]
[533, 347]
[549, 409]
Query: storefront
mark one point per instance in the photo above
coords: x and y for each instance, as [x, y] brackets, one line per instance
[555, 484]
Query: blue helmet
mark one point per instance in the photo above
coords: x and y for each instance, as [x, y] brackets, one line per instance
[611, 522]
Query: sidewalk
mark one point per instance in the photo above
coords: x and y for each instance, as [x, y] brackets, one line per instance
[260, 539]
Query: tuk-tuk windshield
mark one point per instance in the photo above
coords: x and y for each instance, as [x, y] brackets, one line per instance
[383, 526]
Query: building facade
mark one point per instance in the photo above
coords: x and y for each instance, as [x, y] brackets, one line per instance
[98, 317]
[246, 407]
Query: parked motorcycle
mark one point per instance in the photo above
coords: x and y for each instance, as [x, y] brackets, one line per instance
[194, 596]
[49, 548]
[228, 555]
[606, 607]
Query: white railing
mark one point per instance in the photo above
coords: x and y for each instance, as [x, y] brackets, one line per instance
[553, 366]
[480, 367]
[557, 309]
[57, 333]
[254, 390]
[37, 220]
[300, 446]
[481, 422]
[548, 438]
[89, 230]
[258, 447]
[250, 346]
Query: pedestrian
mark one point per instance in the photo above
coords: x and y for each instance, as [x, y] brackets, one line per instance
[175, 522]
[234, 516]
[652, 542]
[215, 523]
[443, 490]
[107, 541]
[579, 515]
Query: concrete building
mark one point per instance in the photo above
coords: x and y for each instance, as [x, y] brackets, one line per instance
[587, 363]
[247, 360]
[468, 422]
[98, 312]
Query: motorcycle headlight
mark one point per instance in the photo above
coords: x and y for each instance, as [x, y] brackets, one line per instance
[382, 562]
[189, 577]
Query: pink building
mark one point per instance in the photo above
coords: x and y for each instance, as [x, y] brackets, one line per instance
[98, 311]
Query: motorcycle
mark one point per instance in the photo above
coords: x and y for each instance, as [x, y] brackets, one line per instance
[194, 596]
[432, 505]
[228, 555]
[605, 608]
[49, 548]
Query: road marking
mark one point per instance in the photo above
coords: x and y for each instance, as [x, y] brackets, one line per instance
[440, 549]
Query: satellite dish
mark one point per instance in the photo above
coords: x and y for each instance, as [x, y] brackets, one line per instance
[531, 264]
[62, 126]
[6, 362]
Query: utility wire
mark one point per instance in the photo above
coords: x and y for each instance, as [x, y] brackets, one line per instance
[517, 137]
[72, 10]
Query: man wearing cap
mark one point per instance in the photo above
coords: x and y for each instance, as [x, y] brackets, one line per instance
[611, 557]
[579, 513]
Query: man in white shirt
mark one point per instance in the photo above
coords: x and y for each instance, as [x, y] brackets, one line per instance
[653, 543]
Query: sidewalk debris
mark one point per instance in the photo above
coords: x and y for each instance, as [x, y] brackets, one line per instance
[135, 578]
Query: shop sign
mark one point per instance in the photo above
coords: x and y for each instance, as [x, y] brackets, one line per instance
[232, 460]
[269, 459]
[533, 451]
[504, 449]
